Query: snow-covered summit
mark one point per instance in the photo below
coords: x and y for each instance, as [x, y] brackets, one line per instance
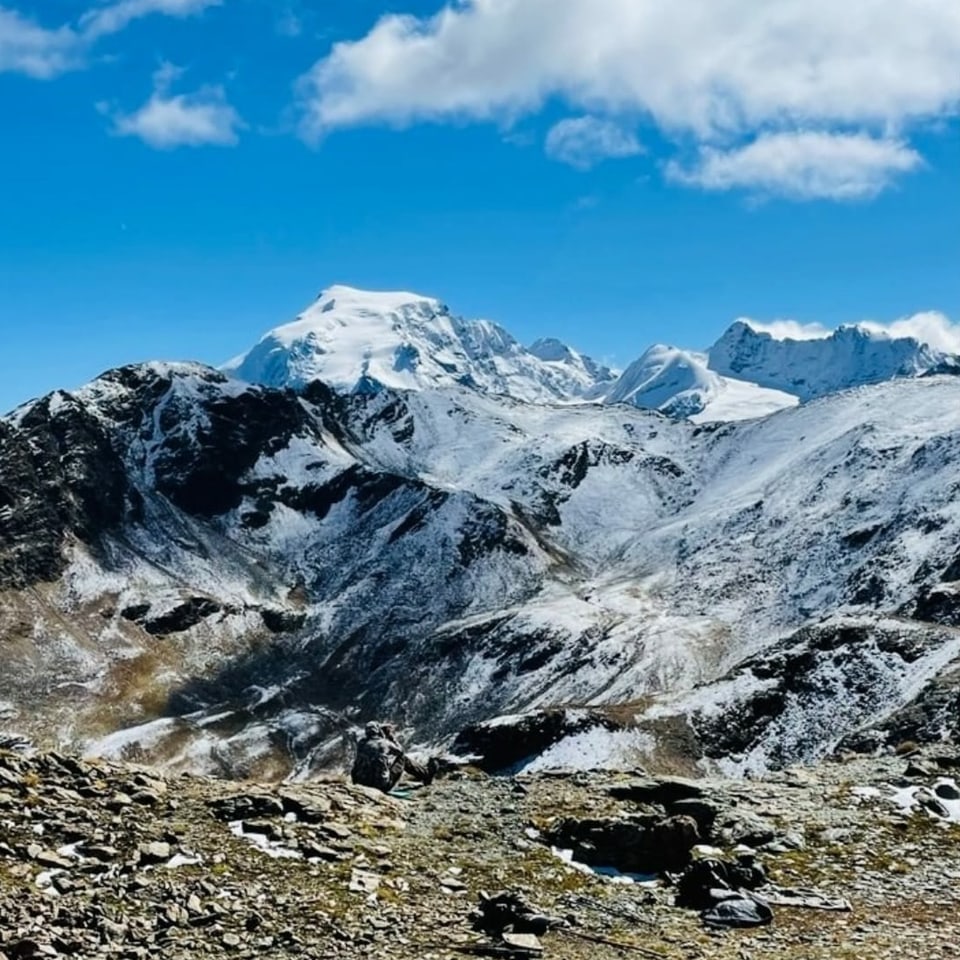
[852, 355]
[680, 384]
[360, 341]
[554, 351]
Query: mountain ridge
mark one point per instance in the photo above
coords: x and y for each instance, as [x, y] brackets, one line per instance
[247, 571]
[850, 356]
[221, 574]
[357, 340]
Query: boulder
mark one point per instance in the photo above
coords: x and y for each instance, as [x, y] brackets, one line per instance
[503, 743]
[738, 912]
[155, 852]
[247, 806]
[643, 843]
[511, 911]
[734, 826]
[705, 812]
[707, 879]
[662, 790]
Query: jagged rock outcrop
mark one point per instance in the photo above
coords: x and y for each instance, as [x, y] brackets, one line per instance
[851, 356]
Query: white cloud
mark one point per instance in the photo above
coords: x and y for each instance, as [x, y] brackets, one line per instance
[170, 120]
[931, 327]
[289, 24]
[114, 17]
[789, 329]
[707, 66]
[583, 142]
[715, 73]
[805, 166]
[26, 47]
[29, 48]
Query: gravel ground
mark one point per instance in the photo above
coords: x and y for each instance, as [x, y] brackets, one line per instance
[108, 860]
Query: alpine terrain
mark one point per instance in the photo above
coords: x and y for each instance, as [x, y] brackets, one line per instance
[728, 561]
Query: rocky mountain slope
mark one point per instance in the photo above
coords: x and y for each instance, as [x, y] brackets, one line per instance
[227, 576]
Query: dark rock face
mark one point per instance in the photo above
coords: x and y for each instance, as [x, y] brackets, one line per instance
[571, 469]
[840, 669]
[940, 604]
[643, 843]
[664, 790]
[182, 617]
[282, 621]
[204, 470]
[80, 466]
[177, 430]
[59, 476]
[934, 715]
[501, 744]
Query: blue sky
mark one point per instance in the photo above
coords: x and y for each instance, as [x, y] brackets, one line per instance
[178, 176]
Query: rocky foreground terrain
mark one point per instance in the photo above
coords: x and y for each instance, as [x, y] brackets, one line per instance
[100, 859]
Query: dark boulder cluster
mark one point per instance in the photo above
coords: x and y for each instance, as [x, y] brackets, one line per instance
[674, 816]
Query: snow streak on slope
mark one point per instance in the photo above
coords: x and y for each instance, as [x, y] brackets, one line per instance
[359, 341]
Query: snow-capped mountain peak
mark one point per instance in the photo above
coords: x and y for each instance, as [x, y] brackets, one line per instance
[815, 365]
[668, 379]
[551, 350]
[356, 340]
[359, 341]
[680, 384]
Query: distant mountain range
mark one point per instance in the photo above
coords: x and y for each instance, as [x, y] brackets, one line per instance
[357, 341]
[385, 510]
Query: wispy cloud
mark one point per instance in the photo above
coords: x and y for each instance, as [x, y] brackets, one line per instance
[289, 23]
[804, 166]
[930, 327]
[789, 329]
[26, 47]
[168, 120]
[43, 52]
[583, 142]
[114, 17]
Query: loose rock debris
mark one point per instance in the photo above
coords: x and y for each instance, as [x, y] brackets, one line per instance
[106, 860]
